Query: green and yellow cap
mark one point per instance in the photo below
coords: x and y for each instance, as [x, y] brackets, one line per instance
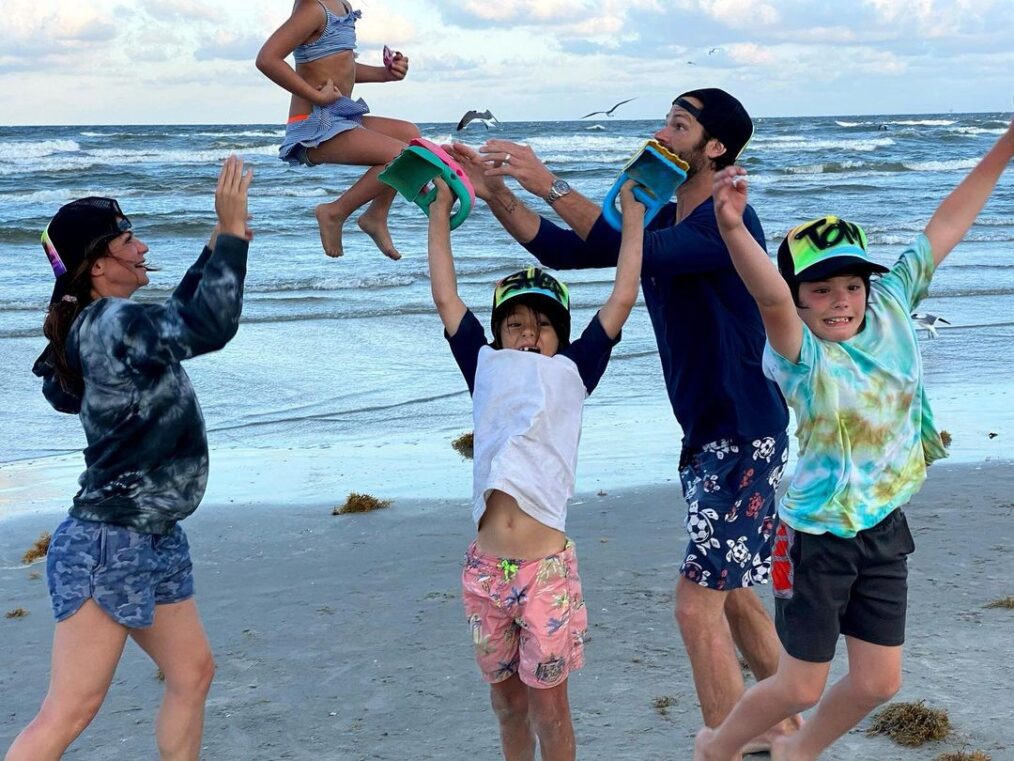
[822, 248]
[552, 297]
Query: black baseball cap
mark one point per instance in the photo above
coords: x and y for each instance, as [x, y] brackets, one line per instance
[75, 231]
[721, 115]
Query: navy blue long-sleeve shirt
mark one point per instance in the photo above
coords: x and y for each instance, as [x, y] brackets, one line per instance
[147, 454]
[708, 328]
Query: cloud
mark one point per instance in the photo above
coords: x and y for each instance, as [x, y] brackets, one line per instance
[229, 47]
[184, 10]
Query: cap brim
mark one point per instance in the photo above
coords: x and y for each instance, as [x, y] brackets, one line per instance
[838, 264]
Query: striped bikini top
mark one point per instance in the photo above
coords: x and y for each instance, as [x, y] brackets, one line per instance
[339, 34]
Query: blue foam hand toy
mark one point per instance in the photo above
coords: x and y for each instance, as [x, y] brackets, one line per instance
[657, 172]
[413, 171]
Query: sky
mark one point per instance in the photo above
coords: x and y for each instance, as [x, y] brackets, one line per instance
[186, 61]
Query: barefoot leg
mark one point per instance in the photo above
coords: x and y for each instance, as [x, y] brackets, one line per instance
[377, 143]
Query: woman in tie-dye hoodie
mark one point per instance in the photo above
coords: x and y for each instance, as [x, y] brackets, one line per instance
[119, 565]
[842, 348]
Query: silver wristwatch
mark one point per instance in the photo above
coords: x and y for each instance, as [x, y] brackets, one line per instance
[557, 190]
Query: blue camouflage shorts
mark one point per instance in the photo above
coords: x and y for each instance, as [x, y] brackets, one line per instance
[730, 492]
[126, 572]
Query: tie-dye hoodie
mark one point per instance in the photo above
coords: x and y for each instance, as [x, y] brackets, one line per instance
[147, 454]
[863, 422]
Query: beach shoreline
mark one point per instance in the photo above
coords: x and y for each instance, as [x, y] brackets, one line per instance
[343, 637]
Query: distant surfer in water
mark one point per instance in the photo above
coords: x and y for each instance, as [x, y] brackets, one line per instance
[325, 125]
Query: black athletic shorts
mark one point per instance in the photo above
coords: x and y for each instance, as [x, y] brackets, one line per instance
[826, 585]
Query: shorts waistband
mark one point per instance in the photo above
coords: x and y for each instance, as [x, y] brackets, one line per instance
[479, 559]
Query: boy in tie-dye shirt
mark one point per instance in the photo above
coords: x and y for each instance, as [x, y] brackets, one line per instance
[842, 347]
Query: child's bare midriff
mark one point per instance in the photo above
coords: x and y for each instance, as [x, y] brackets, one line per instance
[340, 68]
[508, 531]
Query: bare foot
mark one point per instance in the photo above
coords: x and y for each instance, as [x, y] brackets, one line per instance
[375, 225]
[330, 222]
[702, 747]
[763, 743]
[780, 749]
[701, 743]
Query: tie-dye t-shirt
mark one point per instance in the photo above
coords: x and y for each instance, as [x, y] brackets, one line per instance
[147, 454]
[864, 427]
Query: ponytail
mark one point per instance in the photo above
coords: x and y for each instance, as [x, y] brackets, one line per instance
[61, 315]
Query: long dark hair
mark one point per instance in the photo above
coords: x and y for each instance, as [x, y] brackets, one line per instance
[61, 315]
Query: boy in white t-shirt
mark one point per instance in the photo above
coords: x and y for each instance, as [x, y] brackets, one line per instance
[844, 352]
[521, 588]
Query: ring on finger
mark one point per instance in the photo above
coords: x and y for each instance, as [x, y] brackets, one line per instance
[507, 159]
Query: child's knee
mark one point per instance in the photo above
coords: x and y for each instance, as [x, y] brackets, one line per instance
[509, 699]
[875, 688]
[799, 695]
[550, 710]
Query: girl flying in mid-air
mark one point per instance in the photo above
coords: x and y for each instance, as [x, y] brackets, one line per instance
[325, 125]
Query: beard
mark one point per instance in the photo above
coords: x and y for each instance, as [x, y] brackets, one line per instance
[698, 159]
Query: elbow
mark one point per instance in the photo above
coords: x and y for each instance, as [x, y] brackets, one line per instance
[263, 61]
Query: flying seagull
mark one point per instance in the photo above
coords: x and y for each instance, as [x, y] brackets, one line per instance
[610, 111]
[713, 51]
[928, 322]
[485, 117]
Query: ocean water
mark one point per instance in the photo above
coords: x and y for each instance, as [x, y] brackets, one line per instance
[340, 378]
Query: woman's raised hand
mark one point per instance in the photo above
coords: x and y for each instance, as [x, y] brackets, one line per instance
[231, 198]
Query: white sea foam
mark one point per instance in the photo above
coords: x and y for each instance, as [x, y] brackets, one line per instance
[940, 166]
[801, 144]
[296, 192]
[40, 196]
[853, 124]
[925, 122]
[977, 131]
[15, 151]
[245, 133]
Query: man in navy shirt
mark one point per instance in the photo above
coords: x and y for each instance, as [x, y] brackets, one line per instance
[710, 338]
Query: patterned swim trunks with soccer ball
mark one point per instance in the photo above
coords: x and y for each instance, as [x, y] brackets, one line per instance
[730, 492]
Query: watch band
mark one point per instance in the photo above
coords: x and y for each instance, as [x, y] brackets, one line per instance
[557, 190]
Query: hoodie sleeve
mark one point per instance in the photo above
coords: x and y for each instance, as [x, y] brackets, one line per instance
[62, 400]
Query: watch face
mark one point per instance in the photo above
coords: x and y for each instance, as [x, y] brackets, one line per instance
[560, 187]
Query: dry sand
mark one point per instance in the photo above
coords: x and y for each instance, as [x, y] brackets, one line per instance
[342, 637]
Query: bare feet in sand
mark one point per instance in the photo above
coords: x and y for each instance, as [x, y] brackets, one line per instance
[763, 743]
[702, 745]
[780, 749]
[330, 221]
[375, 225]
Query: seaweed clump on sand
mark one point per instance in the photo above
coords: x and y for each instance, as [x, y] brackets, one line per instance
[1003, 602]
[17, 613]
[38, 550]
[663, 704]
[360, 503]
[463, 445]
[911, 724]
[975, 755]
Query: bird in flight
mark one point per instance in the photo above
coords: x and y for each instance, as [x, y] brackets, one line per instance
[928, 322]
[484, 117]
[713, 51]
[610, 111]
